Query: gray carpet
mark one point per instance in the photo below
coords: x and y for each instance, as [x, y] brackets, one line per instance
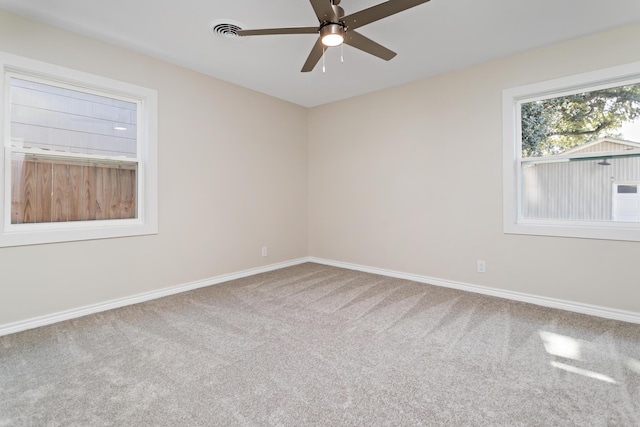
[317, 345]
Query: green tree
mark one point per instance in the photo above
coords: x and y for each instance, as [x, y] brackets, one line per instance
[552, 126]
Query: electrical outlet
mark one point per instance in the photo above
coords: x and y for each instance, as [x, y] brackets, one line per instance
[265, 251]
[482, 267]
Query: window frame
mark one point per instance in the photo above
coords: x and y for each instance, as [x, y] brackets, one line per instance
[146, 222]
[512, 98]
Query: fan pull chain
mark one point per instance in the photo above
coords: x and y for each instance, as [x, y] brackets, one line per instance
[342, 53]
[323, 51]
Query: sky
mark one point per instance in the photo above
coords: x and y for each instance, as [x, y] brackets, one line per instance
[631, 131]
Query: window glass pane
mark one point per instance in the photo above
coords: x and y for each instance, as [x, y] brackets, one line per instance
[578, 189]
[627, 189]
[59, 190]
[568, 123]
[60, 119]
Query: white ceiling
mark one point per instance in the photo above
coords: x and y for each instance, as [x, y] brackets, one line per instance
[435, 37]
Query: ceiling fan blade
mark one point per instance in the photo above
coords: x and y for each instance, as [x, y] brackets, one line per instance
[314, 56]
[365, 44]
[323, 10]
[382, 10]
[267, 31]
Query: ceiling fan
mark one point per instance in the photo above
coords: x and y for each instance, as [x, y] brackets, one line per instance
[336, 28]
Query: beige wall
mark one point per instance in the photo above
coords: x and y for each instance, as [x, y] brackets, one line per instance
[412, 182]
[232, 178]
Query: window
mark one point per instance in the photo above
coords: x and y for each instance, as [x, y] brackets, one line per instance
[79, 155]
[627, 189]
[571, 156]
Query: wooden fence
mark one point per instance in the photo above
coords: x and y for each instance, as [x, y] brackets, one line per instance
[59, 191]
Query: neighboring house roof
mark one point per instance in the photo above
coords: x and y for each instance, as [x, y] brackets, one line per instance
[604, 145]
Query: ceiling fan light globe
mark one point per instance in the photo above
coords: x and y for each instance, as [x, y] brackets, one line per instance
[332, 35]
[331, 40]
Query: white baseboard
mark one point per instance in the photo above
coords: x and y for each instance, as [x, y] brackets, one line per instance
[593, 310]
[36, 322]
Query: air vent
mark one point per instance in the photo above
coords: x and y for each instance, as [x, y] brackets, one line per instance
[226, 29]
